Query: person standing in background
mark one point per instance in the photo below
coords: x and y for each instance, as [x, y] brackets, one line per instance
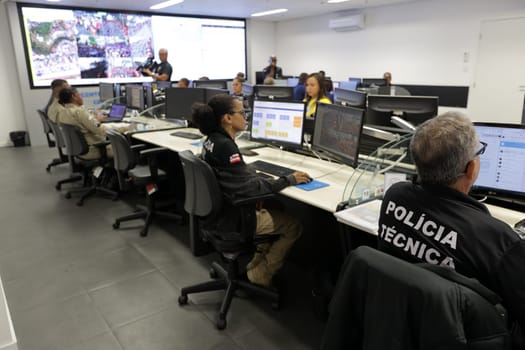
[272, 70]
[163, 70]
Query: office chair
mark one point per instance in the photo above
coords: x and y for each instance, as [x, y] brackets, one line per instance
[74, 167]
[382, 302]
[93, 169]
[205, 200]
[149, 176]
[51, 142]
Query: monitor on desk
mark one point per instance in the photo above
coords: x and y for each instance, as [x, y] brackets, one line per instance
[209, 93]
[502, 165]
[338, 132]
[278, 123]
[106, 91]
[413, 109]
[247, 89]
[213, 84]
[349, 85]
[350, 98]
[180, 100]
[135, 97]
[272, 92]
[371, 82]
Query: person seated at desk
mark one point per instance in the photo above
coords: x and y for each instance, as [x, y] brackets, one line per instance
[183, 83]
[315, 92]
[299, 91]
[237, 92]
[74, 114]
[52, 110]
[220, 120]
[437, 222]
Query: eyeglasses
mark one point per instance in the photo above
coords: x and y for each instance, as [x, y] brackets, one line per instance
[482, 149]
[241, 112]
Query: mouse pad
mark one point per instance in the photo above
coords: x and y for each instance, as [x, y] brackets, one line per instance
[312, 185]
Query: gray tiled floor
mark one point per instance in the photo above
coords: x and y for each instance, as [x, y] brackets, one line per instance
[73, 283]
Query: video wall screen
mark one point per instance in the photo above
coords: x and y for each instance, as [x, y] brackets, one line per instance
[89, 46]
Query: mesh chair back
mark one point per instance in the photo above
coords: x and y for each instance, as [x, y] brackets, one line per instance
[58, 135]
[123, 156]
[74, 140]
[203, 194]
[44, 120]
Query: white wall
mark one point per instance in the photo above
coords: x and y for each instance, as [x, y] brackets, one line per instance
[420, 43]
[12, 116]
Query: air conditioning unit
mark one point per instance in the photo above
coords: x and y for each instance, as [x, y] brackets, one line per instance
[347, 23]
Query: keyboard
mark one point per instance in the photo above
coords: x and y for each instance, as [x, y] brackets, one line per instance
[186, 135]
[271, 168]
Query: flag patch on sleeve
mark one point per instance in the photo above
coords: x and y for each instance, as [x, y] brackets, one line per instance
[235, 158]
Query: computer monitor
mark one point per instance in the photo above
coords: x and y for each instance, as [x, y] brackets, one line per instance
[272, 92]
[292, 82]
[413, 109]
[278, 123]
[348, 85]
[135, 97]
[180, 100]
[502, 167]
[209, 93]
[371, 82]
[213, 84]
[247, 89]
[338, 132]
[106, 91]
[350, 98]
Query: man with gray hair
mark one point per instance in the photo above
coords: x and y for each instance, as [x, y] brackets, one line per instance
[437, 222]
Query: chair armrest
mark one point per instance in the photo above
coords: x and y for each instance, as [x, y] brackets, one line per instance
[151, 155]
[138, 147]
[103, 151]
[237, 202]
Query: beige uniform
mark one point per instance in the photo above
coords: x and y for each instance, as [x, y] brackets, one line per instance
[54, 108]
[72, 114]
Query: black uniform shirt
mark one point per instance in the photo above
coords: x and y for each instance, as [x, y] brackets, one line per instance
[442, 226]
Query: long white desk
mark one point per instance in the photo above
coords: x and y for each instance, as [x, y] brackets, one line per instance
[326, 198]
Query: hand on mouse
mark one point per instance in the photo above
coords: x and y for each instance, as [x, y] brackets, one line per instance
[301, 177]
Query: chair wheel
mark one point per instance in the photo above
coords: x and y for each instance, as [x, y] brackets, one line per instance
[276, 305]
[143, 233]
[116, 225]
[48, 168]
[183, 300]
[80, 203]
[67, 195]
[213, 273]
[221, 323]
[58, 187]
[115, 198]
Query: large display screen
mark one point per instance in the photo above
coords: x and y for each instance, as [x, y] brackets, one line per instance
[91, 46]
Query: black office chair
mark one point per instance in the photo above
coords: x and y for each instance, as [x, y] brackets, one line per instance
[149, 176]
[204, 199]
[76, 171]
[51, 141]
[382, 302]
[92, 169]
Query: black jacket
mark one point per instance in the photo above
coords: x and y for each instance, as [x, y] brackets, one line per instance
[236, 178]
[442, 226]
[382, 302]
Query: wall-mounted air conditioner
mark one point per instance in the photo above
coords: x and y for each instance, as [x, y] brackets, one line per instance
[347, 23]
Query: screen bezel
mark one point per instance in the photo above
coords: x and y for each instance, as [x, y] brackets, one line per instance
[278, 143]
[412, 117]
[494, 192]
[289, 89]
[96, 81]
[361, 95]
[331, 153]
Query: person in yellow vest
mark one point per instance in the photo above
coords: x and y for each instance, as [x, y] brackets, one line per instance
[315, 92]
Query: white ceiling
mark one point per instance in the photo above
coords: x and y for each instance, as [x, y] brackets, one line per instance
[228, 8]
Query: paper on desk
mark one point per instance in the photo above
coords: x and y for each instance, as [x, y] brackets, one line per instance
[364, 216]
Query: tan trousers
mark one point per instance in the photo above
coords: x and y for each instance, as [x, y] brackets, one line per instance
[270, 257]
